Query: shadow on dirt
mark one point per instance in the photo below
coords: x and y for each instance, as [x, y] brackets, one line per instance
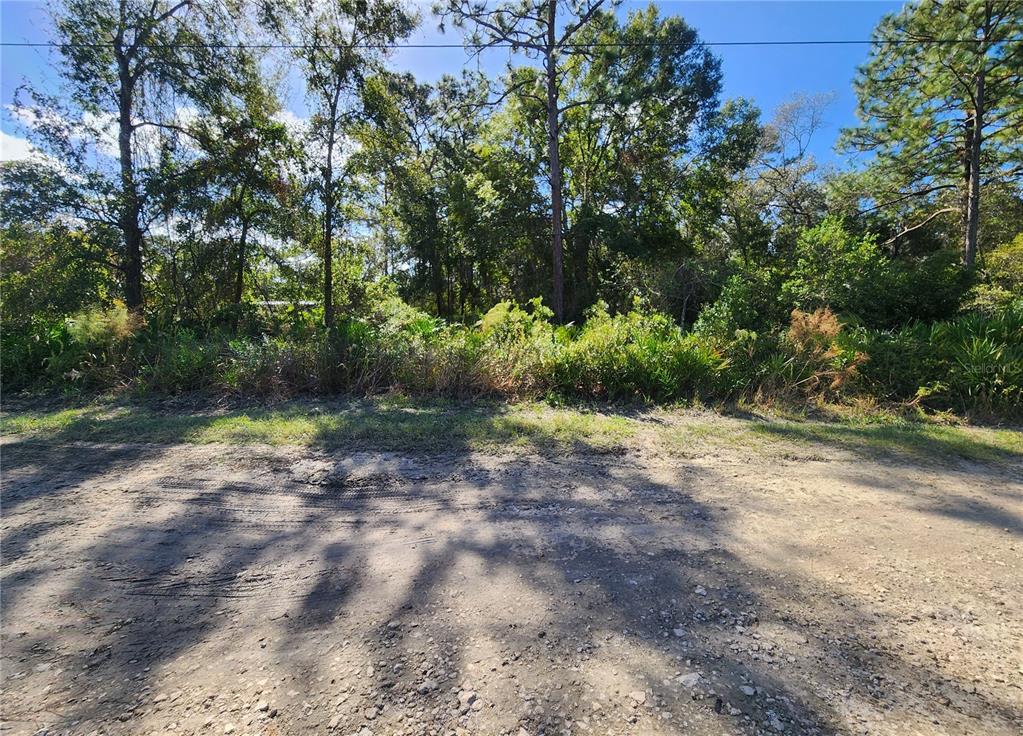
[566, 559]
[914, 442]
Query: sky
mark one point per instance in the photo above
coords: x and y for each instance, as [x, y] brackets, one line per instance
[768, 75]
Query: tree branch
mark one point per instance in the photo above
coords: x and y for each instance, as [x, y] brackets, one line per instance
[919, 225]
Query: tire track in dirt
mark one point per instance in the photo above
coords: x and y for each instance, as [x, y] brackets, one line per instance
[181, 588]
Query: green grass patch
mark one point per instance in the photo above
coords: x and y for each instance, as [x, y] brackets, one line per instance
[396, 423]
[382, 424]
[917, 439]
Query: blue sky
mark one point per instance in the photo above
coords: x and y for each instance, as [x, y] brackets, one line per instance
[768, 75]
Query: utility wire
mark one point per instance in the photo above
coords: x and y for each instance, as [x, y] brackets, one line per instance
[512, 45]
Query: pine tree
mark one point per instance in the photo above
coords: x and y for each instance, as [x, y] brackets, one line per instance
[941, 100]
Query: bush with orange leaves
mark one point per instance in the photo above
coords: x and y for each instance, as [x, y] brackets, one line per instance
[815, 361]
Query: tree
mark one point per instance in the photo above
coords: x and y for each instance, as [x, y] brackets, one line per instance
[48, 267]
[129, 66]
[941, 100]
[425, 152]
[248, 152]
[649, 158]
[339, 43]
[781, 192]
[535, 28]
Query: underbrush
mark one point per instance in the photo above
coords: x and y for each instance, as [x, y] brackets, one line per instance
[972, 364]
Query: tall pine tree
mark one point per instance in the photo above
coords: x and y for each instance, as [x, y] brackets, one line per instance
[941, 104]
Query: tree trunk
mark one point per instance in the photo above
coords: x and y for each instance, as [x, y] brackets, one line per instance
[553, 153]
[437, 279]
[129, 217]
[176, 308]
[239, 277]
[975, 134]
[328, 230]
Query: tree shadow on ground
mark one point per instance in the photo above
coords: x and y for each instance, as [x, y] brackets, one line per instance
[559, 563]
[918, 442]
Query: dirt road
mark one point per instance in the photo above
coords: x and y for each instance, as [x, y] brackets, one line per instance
[254, 590]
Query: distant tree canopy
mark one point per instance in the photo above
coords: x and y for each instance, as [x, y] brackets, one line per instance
[602, 166]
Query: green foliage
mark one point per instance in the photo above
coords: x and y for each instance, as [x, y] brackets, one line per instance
[837, 270]
[814, 360]
[25, 353]
[103, 327]
[749, 301]
[1005, 265]
[852, 276]
[394, 239]
[507, 322]
[984, 361]
[819, 360]
[636, 355]
[93, 349]
[176, 362]
[971, 364]
[44, 277]
[1003, 286]
[912, 94]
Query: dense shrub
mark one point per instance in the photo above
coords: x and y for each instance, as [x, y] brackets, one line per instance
[43, 278]
[1002, 288]
[972, 363]
[637, 354]
[835, 269]
[749, 301]
[177, 361]
[813, 358]
[26, 352]
[1005, 265]
[98, 349]
[853, 277]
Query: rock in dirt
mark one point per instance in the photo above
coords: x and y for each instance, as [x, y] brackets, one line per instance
[690, 680]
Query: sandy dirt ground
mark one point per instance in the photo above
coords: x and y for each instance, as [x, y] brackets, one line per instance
[189, 589]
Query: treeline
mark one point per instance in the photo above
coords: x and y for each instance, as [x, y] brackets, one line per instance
[603, 167]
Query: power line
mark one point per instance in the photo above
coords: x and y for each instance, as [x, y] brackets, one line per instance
[511, 45]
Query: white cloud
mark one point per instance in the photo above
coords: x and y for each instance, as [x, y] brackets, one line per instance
[13, 148]
[32, 117]
[102, 129]
[296, 125]
[99, 129]
[299, 127]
